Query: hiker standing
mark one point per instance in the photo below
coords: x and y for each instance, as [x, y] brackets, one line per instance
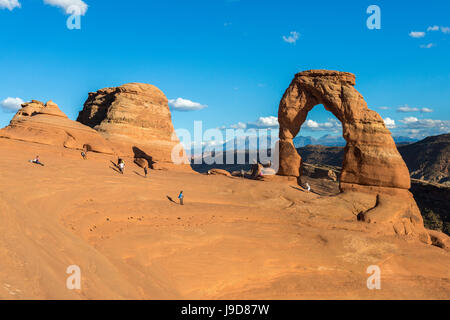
[121, 166]
[181, 197]
[145, 171]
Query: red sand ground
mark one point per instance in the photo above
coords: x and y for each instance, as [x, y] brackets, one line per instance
[234, 238]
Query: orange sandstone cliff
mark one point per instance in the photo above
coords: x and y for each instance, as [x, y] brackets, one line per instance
[136, 119]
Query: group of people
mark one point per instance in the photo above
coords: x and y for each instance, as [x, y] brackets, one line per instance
[120, 166]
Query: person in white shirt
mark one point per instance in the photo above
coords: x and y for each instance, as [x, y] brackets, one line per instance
[308, 187]
[121, 166]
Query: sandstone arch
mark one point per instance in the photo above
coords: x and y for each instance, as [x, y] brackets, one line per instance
[371, 156]
[134, 116]
[372, 163]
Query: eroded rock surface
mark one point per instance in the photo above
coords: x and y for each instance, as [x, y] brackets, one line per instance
[132, 117]
[372, 163]
[47, 124]
[371, 157]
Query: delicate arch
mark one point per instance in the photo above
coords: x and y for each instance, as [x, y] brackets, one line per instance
[371, 156]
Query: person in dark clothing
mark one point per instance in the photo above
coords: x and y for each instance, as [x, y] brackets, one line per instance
[37, 161]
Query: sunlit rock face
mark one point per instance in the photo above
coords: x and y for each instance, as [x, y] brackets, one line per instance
[372, 162]
[47, 124]
[136, 119]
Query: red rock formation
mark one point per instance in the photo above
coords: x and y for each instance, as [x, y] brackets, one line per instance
[371, 157]
[47, 124]
[136, 119]
[372, 162]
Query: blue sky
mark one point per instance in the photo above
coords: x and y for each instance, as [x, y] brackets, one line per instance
[230, 55]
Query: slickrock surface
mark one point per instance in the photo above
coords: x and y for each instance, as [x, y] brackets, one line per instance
[47, 124]
[234, 238]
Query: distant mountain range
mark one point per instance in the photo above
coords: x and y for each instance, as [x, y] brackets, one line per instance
[428, 159]
[337, 141]
[326, 140]
[242, 143]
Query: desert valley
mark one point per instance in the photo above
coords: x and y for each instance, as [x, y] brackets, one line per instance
[236, 237]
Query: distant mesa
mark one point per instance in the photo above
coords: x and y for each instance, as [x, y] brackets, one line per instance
[429, 159]
[372, 163]
[46, 124]
[134, 115]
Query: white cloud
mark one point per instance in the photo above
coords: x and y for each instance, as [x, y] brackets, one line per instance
[181, 104]
[239, 125]
[331, 125]
[292, 38]
[418, 128]
[390, 123]
[11, 105]
[311, 124]
[426, 110]
[445, 29]
[384, 108]
[427, 46]
[9, 4]
[406, 109]
[69, 5]
[414, 123]
[409, 120]
[417, 34]
[271, 122]
[267, 122]
[433, 28]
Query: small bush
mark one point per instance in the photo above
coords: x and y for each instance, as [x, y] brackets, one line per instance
[433, 221]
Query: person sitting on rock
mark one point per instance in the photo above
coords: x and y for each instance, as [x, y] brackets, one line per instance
[84, 155]
[308, 187]
[37, 161]
[257, 170]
